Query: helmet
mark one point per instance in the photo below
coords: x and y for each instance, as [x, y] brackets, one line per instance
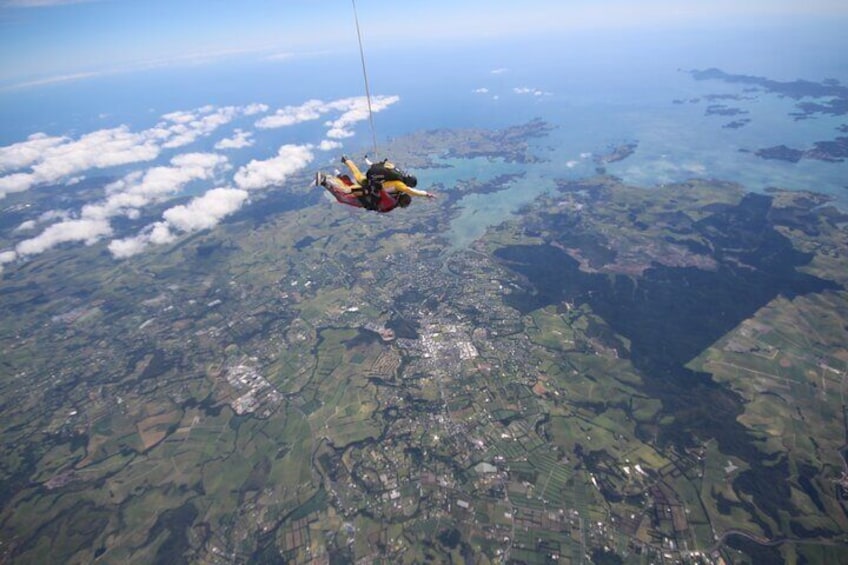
[404, 200]
[410, 181]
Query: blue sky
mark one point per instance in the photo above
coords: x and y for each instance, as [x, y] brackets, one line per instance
[51, 40]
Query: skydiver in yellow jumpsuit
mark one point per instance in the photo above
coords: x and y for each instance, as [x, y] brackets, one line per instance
[382, 188]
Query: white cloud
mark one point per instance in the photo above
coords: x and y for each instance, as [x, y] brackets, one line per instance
[201, 213]
[25, 226]
[483, 90]
[99, 149]
[499, 71]
[291, 115]
[181, 116]
[328, 145]
[356, 111]
[7, 257]
[127, 247]
[253, 109]
[51, 159]
[189, 126]
[69, 77]
[274, 171]
[206, 211]
[139, 189]
[42, 158]
[239, 140]
[126, 197]
[51, 215]
[197, 161]
[531, 91]
[86, 230]
[352, 110]
[17, 182]
[158, 233]
[203, 57]
[25, 153]
[96, 150]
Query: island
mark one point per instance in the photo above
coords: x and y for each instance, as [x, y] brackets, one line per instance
[832, 151]
[827, 97]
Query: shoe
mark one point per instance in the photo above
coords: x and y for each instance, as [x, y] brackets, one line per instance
[344, 158]
[319, 179]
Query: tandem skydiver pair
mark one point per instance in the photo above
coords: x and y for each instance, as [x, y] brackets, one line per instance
[382, 188]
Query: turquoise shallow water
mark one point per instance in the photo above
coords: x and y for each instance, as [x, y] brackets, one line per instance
[675, 141]
[479, 211]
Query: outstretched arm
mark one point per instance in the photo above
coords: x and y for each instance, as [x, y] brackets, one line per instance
[399, 186]
[354, 170]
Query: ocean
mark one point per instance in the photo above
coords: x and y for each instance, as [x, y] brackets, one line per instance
[597, 90]
[598, 93]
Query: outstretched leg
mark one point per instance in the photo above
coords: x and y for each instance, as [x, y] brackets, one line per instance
[338, 189]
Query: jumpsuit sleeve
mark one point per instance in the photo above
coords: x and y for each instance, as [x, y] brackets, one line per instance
[401, 187]
[354, 170]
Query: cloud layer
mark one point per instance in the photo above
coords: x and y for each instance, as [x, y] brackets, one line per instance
[352, 110]
[139, 189]
[239, 140]
[201, 213]
[44, 160]
[274, 171]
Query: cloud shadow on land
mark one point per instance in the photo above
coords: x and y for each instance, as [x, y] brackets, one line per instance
[672, 314]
